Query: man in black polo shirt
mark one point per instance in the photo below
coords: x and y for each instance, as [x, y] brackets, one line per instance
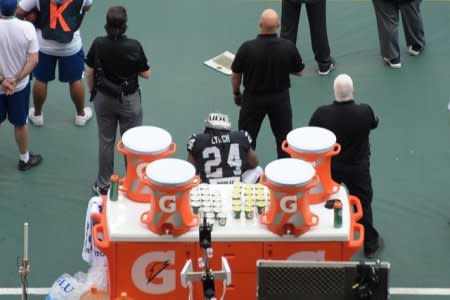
[352, 123]
[265, 64]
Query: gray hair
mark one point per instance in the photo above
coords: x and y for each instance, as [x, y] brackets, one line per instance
[343, 88]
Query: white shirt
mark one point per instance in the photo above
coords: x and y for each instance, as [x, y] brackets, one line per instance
[50, 47]
[18, 40]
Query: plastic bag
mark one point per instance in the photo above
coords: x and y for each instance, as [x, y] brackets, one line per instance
[67, 287]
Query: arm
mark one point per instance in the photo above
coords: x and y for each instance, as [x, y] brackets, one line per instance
[252, 159]
[9, 84]
[32, 61]
[90, 77]
[236, 79]
[191, 158]
[145, 74]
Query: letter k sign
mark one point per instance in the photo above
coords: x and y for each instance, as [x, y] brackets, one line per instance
[56, 15]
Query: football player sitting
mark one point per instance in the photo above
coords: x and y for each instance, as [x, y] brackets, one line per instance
[221, 155]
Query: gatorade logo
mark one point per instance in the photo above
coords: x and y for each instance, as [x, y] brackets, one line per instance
[288, 204]
[56, 15]
[140, 167]
[167, 203]
[154, 272]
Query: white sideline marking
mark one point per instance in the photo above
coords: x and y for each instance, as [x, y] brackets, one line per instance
[392, 291]
[18, 291]
[419, 291]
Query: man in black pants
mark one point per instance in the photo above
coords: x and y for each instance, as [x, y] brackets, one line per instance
[265, 64]
[352, 124]
[316, 10]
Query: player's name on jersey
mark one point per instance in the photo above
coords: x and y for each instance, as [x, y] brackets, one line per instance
[223, 139]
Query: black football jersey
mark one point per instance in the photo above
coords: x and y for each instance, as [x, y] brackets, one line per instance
[219, 156]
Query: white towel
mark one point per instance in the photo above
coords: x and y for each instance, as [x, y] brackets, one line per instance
[91, 254]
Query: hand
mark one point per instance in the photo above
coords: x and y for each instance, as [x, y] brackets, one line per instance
[237, 99]
[9, 86]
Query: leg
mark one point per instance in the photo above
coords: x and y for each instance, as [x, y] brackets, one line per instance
[105, 111]
[413, 24]
[280, 117]
[130, 114]
[386, 14]
[21, 136]
[43, 73]
[77, 95]
[251, 116]
[290, 15]
[358, 181]
[71, 69]
[318, 29]
[39, 96]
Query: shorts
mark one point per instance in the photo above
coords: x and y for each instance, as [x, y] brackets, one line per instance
[15, 107]
[70, 68]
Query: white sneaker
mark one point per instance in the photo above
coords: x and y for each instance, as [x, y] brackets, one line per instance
[82, 120]
[35, 120]
[393, 63]
[414, 51]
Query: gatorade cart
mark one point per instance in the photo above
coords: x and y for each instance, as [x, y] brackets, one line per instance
[145, 259]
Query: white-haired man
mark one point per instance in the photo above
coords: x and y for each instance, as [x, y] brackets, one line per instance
[221, 155]
[352, 123]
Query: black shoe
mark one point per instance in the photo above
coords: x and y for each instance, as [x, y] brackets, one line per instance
[99, 191]
[326, 70]
[374, 251]
[33, 161]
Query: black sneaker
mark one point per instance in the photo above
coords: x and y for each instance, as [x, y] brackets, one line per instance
[376, 250]
[323, 71]
[33, 161]
[99, 191]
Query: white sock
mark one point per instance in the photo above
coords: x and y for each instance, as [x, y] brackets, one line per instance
[24, 157]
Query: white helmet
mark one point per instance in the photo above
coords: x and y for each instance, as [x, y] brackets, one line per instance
[218, 121]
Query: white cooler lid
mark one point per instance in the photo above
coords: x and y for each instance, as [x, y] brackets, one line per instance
[311, 139]
[146, 139]
[170, 171]
[289, 172]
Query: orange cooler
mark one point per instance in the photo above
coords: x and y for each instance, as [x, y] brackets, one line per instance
[315, 145]
[289, 181]
[142, 145]
[170, 211]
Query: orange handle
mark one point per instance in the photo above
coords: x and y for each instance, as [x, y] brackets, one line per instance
[103, 245]
[196, 181]
[122, 186]
[142, 176]
[98, 218]
[285, 147]
[356, 228]
[172, 149]
[144, 218]
[335, 151]
[355, 215]
[121, 148]
[314, 220]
